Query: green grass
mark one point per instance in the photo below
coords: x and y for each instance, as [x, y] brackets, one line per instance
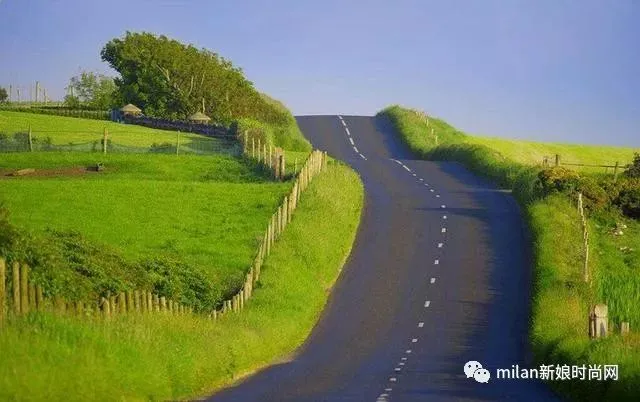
[137, 358]
[65, 130]
[206, 211]
[561, 298]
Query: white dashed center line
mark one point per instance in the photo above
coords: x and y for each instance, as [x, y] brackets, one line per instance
[356, 149]
[436, 262]
[420, 324]
[440, 245]
[444, 217]
[347, 130]
[351, 141]
[443, 206]
[433, 280]
[427, 303]
[444, 230]
[414, 340]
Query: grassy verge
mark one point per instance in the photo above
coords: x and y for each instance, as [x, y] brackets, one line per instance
[561, 299]
[139, 358]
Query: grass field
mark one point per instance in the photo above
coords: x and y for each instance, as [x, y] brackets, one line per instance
[561, 299]
[206, 211]
[65, 130]
[137, 358]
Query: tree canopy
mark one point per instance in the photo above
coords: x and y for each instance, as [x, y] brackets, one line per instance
[3, 95]
[169, 79]
[95, 91]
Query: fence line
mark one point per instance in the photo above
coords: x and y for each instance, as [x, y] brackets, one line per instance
[585, 239]
[558, 162]
[28, 296]
[270, 157]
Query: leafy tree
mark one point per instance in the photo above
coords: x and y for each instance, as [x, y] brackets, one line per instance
[169, 79]
[3, 95]
[72, 101]
[95, 91]
[633, 170]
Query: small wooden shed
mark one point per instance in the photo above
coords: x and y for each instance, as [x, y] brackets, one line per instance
[200, 118]
[131, 110]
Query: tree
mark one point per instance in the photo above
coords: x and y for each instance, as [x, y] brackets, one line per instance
[169, 79]
[633, 170]
[92, 90]
[3, 95]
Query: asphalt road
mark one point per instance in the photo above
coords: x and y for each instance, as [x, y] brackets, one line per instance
[439, 275]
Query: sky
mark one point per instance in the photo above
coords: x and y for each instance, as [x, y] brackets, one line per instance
[544, 70]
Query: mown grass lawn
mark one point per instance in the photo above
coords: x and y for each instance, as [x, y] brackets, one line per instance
[204, 210]
[48, 357]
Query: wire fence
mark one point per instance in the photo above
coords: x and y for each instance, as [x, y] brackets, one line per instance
[117, 141]
[60, 111]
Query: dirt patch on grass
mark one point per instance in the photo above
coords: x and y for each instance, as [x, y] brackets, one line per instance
[55, 172]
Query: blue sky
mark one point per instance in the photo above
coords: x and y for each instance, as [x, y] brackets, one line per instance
[549, 70]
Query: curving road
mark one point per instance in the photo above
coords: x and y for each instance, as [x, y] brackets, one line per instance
[439, 275]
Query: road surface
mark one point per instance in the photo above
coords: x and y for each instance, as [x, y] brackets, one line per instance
[439, 275]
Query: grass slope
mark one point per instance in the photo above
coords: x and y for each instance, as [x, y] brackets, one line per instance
[561, 299]
[140, 358]
[65, 130]
[206, 211]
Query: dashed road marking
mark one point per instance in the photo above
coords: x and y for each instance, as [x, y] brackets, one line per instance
[444, 216]
[356, 149]
[387, 389]
[443, 206]
[436, 262]
[437, 195]
[440, 245]
[433, 280]
[444, 230]
[351, 141]
[393, 379]
[421, 179]
[427, 303]
[432, 190]
[398, 369]
[408, 351]
[348, 132]
[420, 324]
[406, 168]
[403, 359]
[414, 175]
[414, 340]
[362, 156]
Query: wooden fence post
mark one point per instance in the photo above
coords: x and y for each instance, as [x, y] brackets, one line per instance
[253, 148]
[264, 155]
[24, 289]
[615, 172]
[3, 272]
[105, 135]
[271, 163]
[624, 328]
[129, 301]
[557, 159]
[283, 170]
[178, 142]
[39, 298]
[600, 322]
[138, 300]
[15, 284]
[30, 139]
[122, 303]
[259, 151]
[32, 297]
[106, 307]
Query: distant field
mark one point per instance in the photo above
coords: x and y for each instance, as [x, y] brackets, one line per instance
[205, 210]
[65, 130]
[530, 152]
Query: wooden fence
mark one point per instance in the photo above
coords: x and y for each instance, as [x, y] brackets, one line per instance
[25, 296]
[558, 162]
[272, 158]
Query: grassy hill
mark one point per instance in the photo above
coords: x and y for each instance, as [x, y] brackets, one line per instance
[561, 299]
[154, 357]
